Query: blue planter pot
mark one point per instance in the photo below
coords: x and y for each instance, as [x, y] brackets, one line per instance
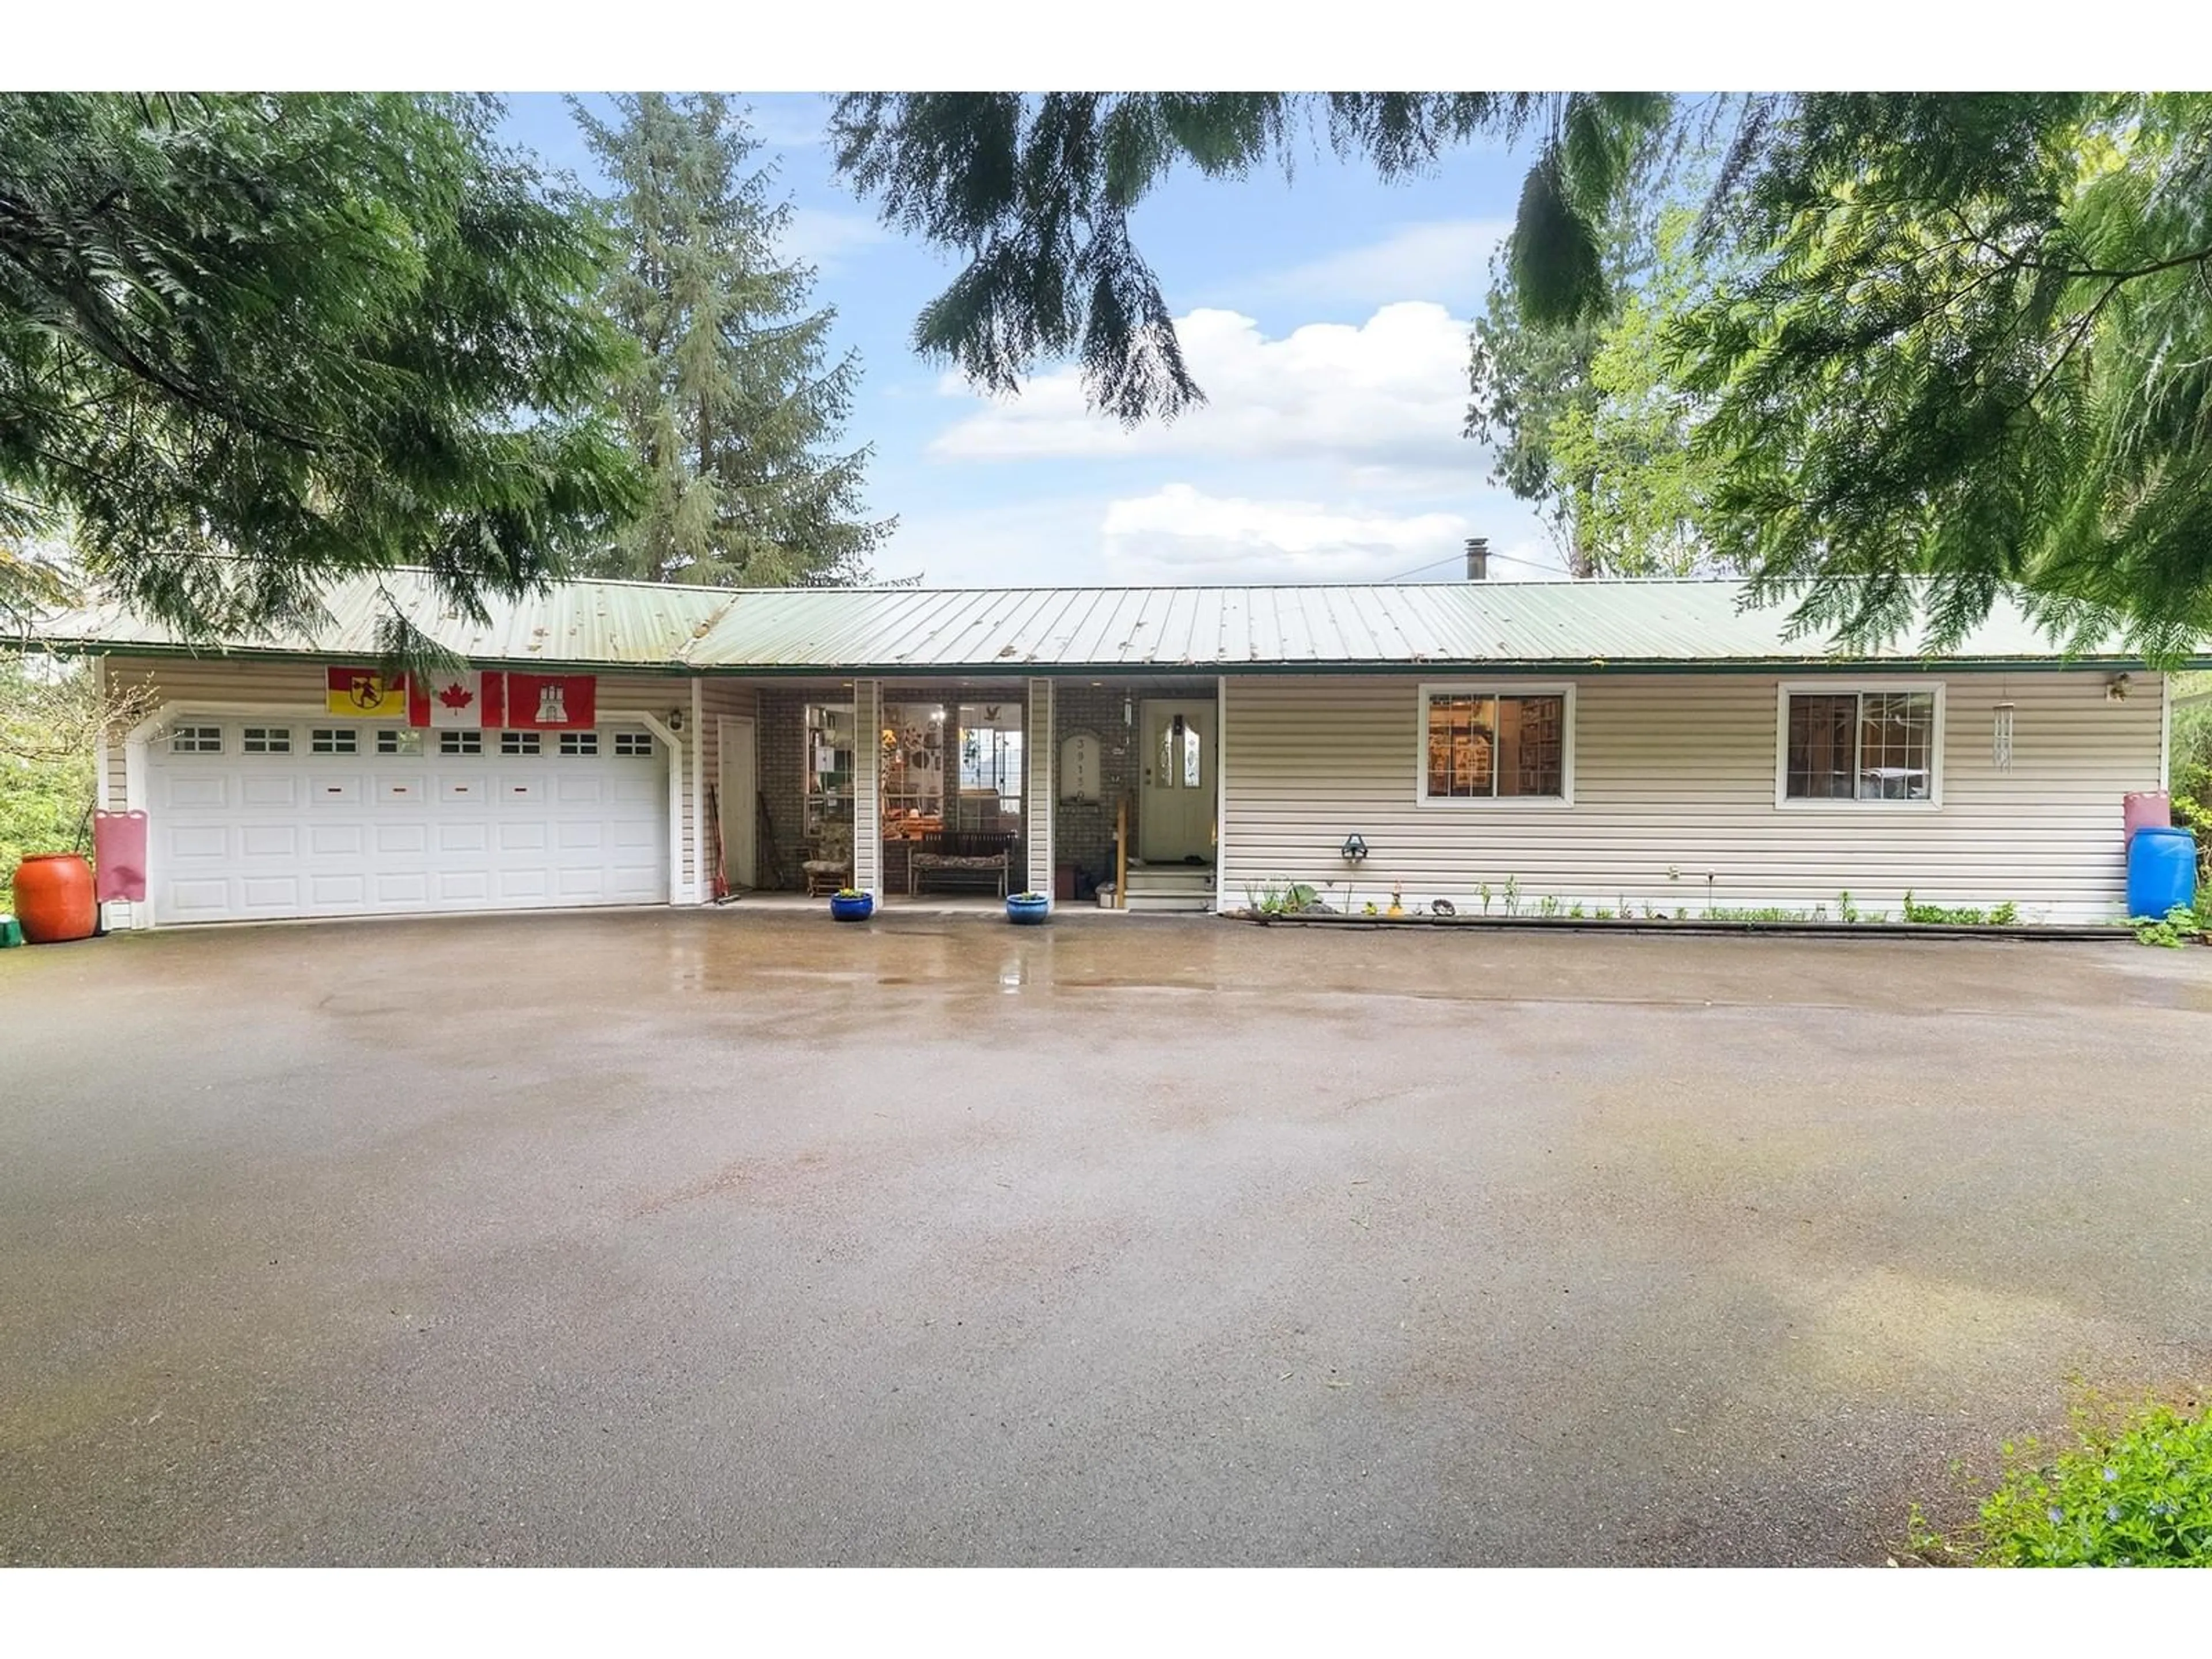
[1025, 912]
[852, 909]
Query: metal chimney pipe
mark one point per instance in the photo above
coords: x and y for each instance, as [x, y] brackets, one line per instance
[1478, 558]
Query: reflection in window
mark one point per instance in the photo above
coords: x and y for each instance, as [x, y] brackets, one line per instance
[1860, 745]
[1482, 745]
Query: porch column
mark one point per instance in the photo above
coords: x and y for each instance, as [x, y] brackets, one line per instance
[867, 786]
[1037, 787]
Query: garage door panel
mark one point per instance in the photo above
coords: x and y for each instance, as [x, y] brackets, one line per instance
[199, 841]
[271, 894]
[522, 886]
[403, 887]
[239, 835]
[195, 899]
[191, 793]
[268, 840]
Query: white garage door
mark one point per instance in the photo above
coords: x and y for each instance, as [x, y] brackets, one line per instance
[257, 818]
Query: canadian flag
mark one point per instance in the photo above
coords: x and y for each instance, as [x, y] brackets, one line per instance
[470, 700]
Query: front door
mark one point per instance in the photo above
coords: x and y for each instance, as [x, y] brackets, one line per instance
[734, 802]
[1175, 814]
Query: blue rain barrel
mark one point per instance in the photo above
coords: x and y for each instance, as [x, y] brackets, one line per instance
[2161, 870]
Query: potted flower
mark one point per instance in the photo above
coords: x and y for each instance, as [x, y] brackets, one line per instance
[1027, 910]
[850, 904]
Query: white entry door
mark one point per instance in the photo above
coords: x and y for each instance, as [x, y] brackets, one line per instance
[1175, 811]
[260, 818]
[734, 800]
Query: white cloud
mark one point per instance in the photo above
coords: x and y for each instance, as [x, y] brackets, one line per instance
[1181, 534]
[1446, 260]
[1391, 391]
[824, 236]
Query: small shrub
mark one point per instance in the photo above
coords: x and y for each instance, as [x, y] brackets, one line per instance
[2181, 925]
[2135, 1493]
[1846, 911]
[2003, 915]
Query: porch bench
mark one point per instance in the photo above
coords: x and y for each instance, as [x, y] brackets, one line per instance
[966, 854]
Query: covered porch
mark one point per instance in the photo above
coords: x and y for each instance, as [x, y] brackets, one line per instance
[949, 791]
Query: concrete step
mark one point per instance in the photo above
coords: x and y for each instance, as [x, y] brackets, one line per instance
[1163, 878]
[1189, 903]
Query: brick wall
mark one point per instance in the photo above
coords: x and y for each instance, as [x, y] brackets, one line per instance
[1083, 831]
[782, 760]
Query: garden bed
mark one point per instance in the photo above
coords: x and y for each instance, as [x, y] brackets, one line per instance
[2086, 931]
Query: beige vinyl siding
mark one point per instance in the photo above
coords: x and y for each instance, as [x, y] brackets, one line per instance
[221, 680]
[1677, 772]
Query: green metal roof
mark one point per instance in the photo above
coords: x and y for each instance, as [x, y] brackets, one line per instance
[1153, 631]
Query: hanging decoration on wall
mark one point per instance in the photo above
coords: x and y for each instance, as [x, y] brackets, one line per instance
[552, 702]
[483, 700]
[1079, 767]
[364, 691]
[470, 701]
[2001, 737]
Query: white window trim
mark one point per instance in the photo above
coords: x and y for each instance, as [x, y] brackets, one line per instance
[1563, 690]
[1784, 801]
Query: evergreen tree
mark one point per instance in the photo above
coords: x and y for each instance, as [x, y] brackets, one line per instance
[732, 405]
[250, 341]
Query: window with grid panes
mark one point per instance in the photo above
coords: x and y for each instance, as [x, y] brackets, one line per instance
[333, 740]
[1862, 745]
[519, 742]
[460, 742]
[579, 742]
[265, 740]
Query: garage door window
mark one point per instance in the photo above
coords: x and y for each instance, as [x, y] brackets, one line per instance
[266, 740]
[196, 741]
[579, 742]
[398, 743]
[633, 742]
[518, 743]
[460, 742]
[333, 740]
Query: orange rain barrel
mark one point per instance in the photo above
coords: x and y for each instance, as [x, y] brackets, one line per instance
[53, 898]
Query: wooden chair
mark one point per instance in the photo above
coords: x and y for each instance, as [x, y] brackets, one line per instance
[832, 866]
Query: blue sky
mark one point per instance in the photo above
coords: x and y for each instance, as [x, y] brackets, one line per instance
[1324, 318]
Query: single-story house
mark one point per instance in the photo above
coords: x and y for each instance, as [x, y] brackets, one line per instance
[1611, 744]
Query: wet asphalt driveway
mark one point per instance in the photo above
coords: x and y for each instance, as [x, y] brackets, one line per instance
[734, 1239]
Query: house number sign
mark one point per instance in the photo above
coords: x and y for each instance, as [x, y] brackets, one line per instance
[1079, 767]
